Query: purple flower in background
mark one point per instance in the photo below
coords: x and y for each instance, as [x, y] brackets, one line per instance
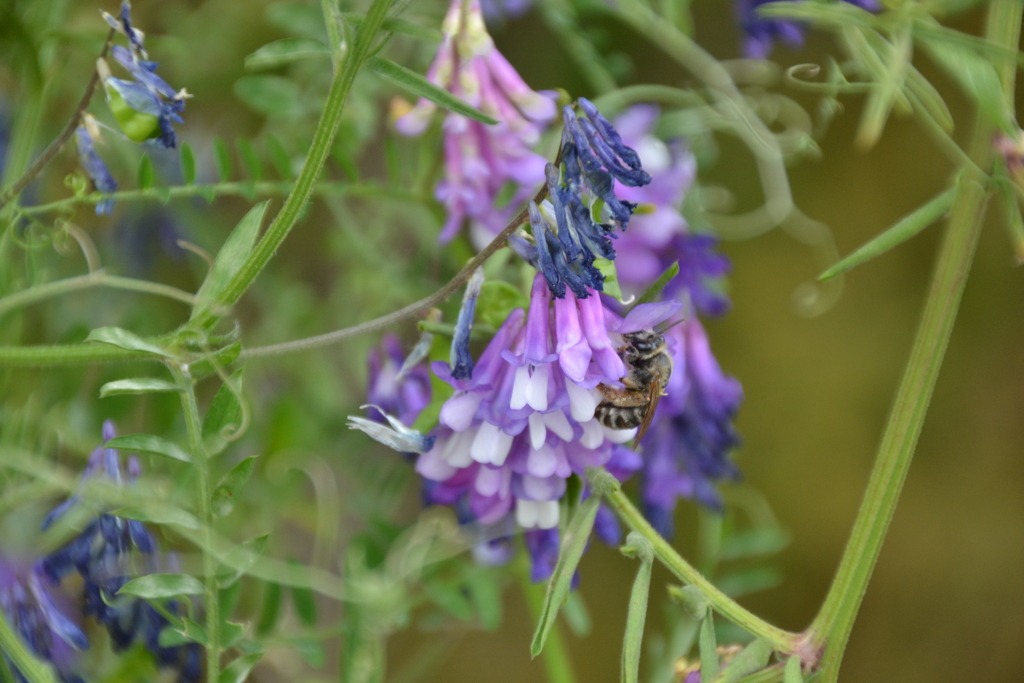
[36, 618]
[497, 11]
[481, 159]
[761, 34]
[569, 234]
[144, 107]
[687, 449]
[524, 421]
[661, 237]
[85, 137]
[100, 556]
[396, 394]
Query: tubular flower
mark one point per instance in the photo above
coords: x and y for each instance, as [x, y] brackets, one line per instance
[659, 238]
[99, 556]
[396, 393]
[146, 106]
[523, 423]
[687, 448]
[760, 34]
[85, 138]
[481, 159]
[575, 227]
[30, 609]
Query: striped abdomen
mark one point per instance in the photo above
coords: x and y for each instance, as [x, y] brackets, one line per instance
[620, 417]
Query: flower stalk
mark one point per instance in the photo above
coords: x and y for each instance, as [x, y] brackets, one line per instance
[831, 629]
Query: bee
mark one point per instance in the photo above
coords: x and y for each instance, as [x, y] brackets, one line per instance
[649, 369]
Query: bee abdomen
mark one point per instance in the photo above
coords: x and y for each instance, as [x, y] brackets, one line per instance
[619, 417]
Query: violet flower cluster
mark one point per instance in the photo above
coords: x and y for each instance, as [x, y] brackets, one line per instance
[523, 423]
[100, 554]
[480, 160]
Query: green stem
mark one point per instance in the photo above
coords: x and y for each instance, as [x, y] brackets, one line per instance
[97, 278]
[781, 640]
[66, 354]
[831, 629]
[555, 655]
[244, 188]
[34, 670]
[320, 147]
[201, 461]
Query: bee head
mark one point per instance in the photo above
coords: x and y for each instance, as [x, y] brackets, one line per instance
[643, 344]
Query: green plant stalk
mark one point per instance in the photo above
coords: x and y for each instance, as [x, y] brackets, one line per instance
[97, 278]
[319, 149]
[34, 670]
[831, 628]
[555, 656]
[781, 640]
[66, 354]
[201, 461]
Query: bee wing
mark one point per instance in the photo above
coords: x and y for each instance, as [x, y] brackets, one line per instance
[654, 397]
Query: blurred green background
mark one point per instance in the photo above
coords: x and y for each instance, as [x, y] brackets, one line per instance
[947, 599]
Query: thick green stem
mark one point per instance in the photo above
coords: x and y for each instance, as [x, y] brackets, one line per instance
[831, 629]
[320, 147]
[97, 278]
[781, 640]
[201, 461]
[555, 655]
[34, 670]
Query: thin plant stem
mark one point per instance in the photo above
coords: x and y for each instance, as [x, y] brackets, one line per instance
[319, 149]
[51, 151]
[201, 462]
[555, 655]
[96, 278]
[782, 641]
[831, 629]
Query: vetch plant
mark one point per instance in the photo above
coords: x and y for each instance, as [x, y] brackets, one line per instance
[237, 529]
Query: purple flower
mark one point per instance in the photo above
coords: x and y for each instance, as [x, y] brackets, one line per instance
[661, 237]
[761, 34]
[85, 137]
[523, 422]
[575, 227]
[687, 449]
[401, 395]
[99, 556]
[144, 107]
[497, 11]
[480, 159]
[36, 618]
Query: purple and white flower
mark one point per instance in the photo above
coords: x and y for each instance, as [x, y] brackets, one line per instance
[481, 159]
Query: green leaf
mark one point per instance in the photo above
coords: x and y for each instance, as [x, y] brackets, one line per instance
[123, 339]
[576, 614]
[240, 559]
[903, 230]
[636, 617]
[286, 51]
[224, 496]
[222, 357]
[220, 149]
[577, 532]
[270, 610]
[416, 84]
[654, 291]
[270, 95]
[708, 648]
[791, 673]
[439, 391]
[451, 598]
[305, 604]
[172, 637]
[154, 586]
[188, 632]
[611, 277]
[159, 513]
[188, 164]
[230, 633]
[249, 159]
[311, 651]
[149, 443]
[137, 385]
[232, 255]
[225, 412]
[227, 598]
[753, 657]
[978, 78]
[280, 158]
[146, 173]
[497, 300]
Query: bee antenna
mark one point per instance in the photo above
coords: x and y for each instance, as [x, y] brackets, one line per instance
[669, 327]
